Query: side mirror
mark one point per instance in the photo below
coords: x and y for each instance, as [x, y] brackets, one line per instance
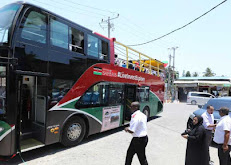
[199, 106]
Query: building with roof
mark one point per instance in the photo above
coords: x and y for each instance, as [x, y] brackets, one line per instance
[218, 86]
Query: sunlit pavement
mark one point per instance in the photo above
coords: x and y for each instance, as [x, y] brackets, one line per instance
[165, 147]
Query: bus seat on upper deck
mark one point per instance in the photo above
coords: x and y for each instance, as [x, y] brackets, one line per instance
[95, 97]
[87, 98]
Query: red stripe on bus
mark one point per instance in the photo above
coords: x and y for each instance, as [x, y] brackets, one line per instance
[88, 79]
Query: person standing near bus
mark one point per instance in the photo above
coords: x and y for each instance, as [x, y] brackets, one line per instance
[222, 136]
[208, 123]
[196, 151]
[138, 129]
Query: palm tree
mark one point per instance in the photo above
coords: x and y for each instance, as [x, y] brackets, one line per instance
[195, 74]
[188, 74]
[208, 73]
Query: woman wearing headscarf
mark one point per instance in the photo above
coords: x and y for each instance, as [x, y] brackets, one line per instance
[197, 149]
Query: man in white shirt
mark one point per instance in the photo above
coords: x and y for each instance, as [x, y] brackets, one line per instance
[138, 129]
[222, 136]
[208, 123]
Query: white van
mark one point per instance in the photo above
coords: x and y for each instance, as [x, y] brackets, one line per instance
[199, 98]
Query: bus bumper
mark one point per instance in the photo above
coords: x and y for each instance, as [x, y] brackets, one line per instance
[7, 139]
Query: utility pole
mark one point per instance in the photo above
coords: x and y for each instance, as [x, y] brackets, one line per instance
[109, 24]
[173, 73]
[169, 75]
[174, 49]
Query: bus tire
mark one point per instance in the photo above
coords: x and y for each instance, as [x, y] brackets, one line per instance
[146, 111]
[73, 132]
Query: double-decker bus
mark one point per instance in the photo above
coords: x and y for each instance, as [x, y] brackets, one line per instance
[59, 81]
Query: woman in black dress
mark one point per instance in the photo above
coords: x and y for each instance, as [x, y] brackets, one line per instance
[196, 152]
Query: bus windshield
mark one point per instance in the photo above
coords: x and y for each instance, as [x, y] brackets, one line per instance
[7, 14]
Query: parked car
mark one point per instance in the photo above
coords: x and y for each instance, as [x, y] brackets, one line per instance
[217, 103]
[199, 98]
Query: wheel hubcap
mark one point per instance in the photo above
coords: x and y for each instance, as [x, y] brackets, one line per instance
[146, 112]
[74, 131]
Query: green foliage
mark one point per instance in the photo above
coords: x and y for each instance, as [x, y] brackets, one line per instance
[183, 74]
[188, 74]
[176, 75]
[195, 74]
[208, 73]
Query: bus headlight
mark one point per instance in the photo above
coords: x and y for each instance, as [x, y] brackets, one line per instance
[1, 129]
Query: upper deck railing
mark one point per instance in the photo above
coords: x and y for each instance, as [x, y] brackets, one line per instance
[130, 58]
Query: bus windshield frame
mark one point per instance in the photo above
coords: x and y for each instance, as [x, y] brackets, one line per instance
[2, 90]
[7, 15]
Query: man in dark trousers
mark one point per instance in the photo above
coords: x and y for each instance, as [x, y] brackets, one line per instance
[222, 136]
[138, 129]
[208, 123]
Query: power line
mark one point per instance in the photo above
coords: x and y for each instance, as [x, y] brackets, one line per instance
[77, 8]
[70, 11]
[91, 7]
[143, 32]
[103, 10]
[179, 27]
[125, 29]
[131, 25]
[139, 34]
[104, 15]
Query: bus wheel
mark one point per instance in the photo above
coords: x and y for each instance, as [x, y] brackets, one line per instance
[193, 102]
[73, 132]
[146, 112]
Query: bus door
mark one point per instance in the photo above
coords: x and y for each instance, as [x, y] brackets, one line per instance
[7, 109]
[32, 101]
[129, 97]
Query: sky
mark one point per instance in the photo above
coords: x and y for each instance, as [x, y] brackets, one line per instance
[205, 43]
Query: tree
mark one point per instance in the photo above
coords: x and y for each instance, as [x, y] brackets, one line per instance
[183, 74]
[176, 75]
[208, 73]
[195, 74]
[188, 74]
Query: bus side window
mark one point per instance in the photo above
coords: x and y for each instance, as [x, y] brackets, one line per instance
[58, 90]
[34, 27]
[58, 34]
[77, 41]
[103, 52]
[87, 98]
[95, 96]
[115, 94]
[143, 94]
[93, 46]
[146, 93]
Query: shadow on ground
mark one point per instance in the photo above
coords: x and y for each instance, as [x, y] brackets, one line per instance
[54, 148]
[154, 117]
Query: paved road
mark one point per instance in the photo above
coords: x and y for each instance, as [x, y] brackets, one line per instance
[165, 147]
